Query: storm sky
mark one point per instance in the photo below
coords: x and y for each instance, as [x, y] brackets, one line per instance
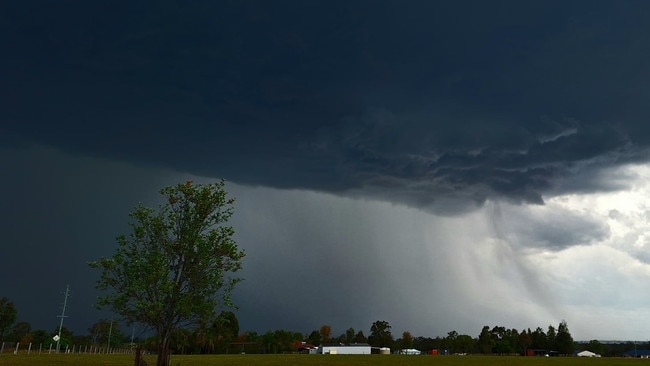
[437, 165]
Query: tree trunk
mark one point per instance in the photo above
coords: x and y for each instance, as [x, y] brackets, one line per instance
[138, 356]
[139, 361]
[163, 353]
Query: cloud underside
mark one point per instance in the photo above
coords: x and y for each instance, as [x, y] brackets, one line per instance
[432, 112]
[423, 162]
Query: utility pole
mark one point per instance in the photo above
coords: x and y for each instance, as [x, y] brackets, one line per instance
[65, 303]
[110, 331]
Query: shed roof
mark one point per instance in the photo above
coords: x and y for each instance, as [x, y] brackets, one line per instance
[638, 352]
[586, 353]
[345, 345]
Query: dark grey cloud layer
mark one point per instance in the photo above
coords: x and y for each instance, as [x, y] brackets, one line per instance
[438, 105]
[57, 214]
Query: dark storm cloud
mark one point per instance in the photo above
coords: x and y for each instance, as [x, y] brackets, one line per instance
[440, 106]
[58, 214]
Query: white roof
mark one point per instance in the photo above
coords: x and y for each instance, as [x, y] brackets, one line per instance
[587, 354]
[411, 351]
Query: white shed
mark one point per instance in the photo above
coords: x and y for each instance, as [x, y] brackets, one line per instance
[587, 354]
[410, 351]
[344, 349]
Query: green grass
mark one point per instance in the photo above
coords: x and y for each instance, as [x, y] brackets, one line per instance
[311, 360]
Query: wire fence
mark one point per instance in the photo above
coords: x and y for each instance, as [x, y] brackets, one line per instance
[19, 348]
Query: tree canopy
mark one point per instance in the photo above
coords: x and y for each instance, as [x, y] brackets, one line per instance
[380, 334]
[563, 339]
[174, 268]
[8, 315]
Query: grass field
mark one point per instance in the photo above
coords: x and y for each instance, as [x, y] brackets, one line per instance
[312, 360]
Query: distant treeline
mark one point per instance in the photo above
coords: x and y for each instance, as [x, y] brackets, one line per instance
[222, 335]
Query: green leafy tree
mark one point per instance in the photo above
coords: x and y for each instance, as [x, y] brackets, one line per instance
[349, 335]
[563, 339]
[251, 342]
[512, 336]
[485, 341]
[340, 339]
[224, 331]
[64, 343]
[406, 342]
[524, 341]
[8, 314]
[173, 269]
[449, 342]
[181, 341]
[281, 341]
[40, 336]
[500, 336]
[538, 339]
[100, 331]
[596, 347]
[464, 343]
[314, 338]
[227, 325]
[204, 338]
[550, 338]
[270, 342]
[19, 331]
[380, 335]
[360, 337]
[424, 343]
[216, 336]
[84, 340]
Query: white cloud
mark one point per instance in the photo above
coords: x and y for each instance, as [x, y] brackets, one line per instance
[603, 283]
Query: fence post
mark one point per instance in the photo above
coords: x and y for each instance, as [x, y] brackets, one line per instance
[29, 350]
[17, 345]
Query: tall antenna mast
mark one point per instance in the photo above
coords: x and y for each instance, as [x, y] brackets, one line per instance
[65, 303]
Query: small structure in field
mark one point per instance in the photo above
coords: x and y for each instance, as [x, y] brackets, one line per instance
[639, 353]
[305, 347]
[344, 349]
[410, 351]
[587, 354]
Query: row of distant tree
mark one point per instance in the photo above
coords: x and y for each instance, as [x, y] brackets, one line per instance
[222, 335]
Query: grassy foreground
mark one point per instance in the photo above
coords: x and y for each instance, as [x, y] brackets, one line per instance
[311, 360]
